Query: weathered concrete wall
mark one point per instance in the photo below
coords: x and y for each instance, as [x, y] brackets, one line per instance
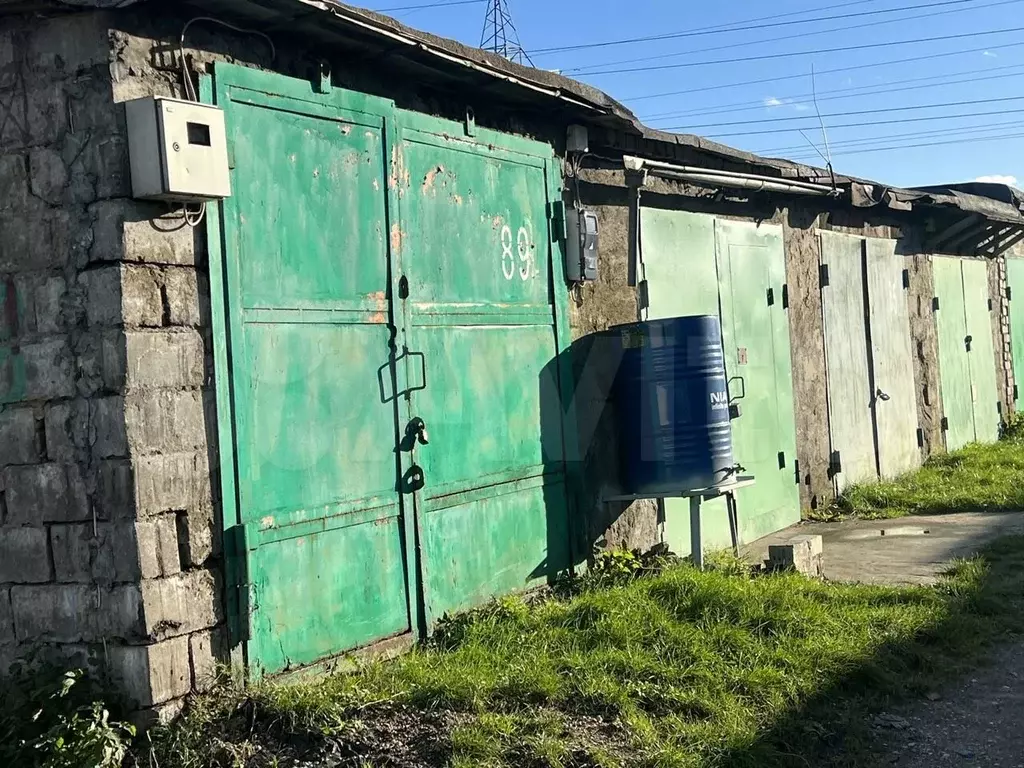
[925, 348]
[803, 255]
[108, 536]
[68, 564]
[1000, 316]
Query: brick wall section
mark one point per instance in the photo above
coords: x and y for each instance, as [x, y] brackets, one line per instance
[1002, 337]
[108, 543]
[68, 564]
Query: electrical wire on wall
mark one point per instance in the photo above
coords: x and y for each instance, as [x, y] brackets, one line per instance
[194, 216]
[574, 165]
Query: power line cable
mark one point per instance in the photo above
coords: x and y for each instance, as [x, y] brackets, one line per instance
[723, 28]
[800, 76]
[816, 52]
[582, 70]
[801, 149]
[425, 6]
[896, 121]
[889, 148]
[850, 113]
[845, 93]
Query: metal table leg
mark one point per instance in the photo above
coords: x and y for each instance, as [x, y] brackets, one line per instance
[730, 507]
[696, 544]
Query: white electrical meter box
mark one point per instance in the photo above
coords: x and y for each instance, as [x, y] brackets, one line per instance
[178, 150]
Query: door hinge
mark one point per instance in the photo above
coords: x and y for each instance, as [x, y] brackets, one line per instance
[935, 303]
[906, 278]
[920, 438]
[785, 295]
[823, 275]
[556, 215]
[990, 304]
[835, 463]
[1015, 395]
[782, 459]
[944, 424]
[796, 471]
[324, 84]
[643, 295]
[1009, 293]
[771, 297]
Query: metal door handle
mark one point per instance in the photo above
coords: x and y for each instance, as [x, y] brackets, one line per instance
[880, 395]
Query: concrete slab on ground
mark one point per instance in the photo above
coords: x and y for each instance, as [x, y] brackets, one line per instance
[909, 550]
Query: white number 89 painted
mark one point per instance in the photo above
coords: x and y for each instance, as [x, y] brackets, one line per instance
[524, 249]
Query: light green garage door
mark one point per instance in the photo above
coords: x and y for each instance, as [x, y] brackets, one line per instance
[1015, 282]
[696, 264]
[388, 327]
[967, 368]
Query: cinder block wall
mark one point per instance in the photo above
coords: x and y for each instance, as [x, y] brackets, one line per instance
[108, 545]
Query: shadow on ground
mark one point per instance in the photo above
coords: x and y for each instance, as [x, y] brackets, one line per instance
[839, 726]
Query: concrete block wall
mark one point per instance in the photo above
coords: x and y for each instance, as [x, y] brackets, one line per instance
[68, 563]
[109, 545]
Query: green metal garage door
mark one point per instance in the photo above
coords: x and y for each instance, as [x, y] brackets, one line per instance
[696, 264]
[1015, 282]
[365, 283]
[967, 373]
[481, 309]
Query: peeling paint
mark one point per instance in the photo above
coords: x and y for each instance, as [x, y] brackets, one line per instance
[396, 238]
[378, 318]
[428, 180]
[457, 199]
[346, 129]
[268, 522]
[376, 185]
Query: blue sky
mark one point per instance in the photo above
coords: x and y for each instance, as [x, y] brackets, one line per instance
[987, 69]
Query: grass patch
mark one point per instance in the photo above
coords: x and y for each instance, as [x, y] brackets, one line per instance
[678, 668]
[976, 478]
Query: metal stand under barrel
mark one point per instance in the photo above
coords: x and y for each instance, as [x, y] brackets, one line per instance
[696, 496]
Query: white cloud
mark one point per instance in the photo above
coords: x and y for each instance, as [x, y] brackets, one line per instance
[990, 54]
[801, 107]
[771, 101]
[999, 179]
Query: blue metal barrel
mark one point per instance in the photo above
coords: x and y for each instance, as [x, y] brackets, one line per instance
[672, 405]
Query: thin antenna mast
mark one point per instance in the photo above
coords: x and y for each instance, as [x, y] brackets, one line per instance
[824, 134]
[499, 34]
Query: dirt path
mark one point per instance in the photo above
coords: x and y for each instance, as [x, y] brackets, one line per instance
[976, 722]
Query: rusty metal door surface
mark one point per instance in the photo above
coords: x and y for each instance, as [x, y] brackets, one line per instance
[485, 318]
[846, 358]
[894, 398]
[350, 301]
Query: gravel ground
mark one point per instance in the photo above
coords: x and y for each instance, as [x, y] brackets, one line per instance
[976, 722]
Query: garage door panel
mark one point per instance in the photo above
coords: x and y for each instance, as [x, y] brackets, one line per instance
[1015, 281]
[892, 360]
[954, 369]
[981, 356]
[476, 249]
[751, 261]
[844, 306]
[324, 590]
[474, 225]
[512, 538]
